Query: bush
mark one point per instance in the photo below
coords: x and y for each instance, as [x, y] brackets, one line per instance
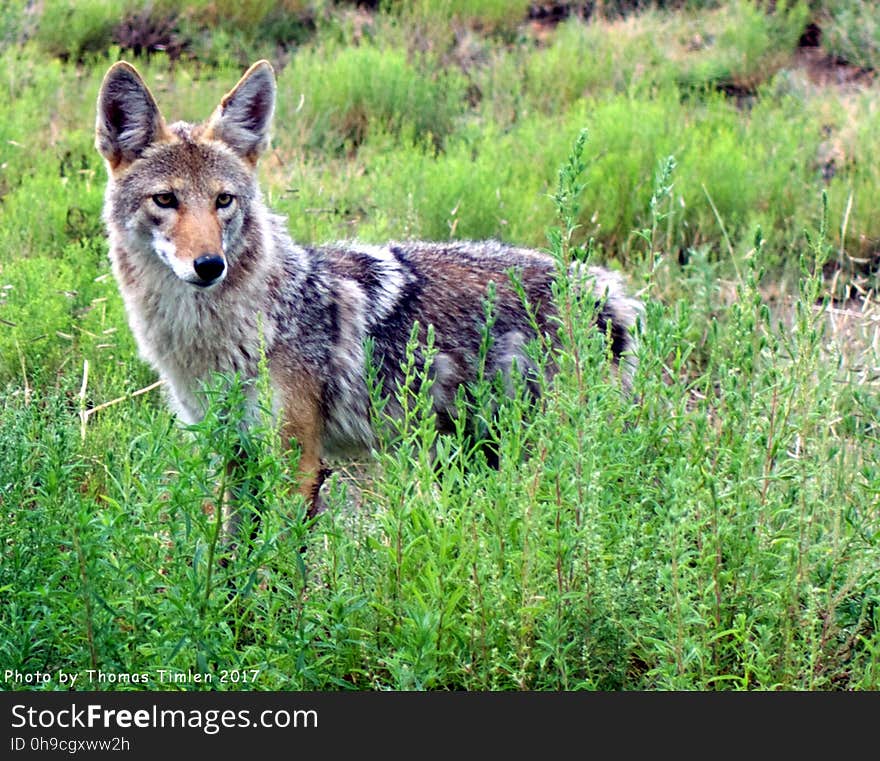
[350, 92]
[851, 33]
[489, 16]
[71, 31]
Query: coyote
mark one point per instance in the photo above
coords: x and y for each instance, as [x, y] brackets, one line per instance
[212, 280]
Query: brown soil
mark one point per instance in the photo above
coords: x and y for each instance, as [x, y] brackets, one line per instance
[826, 71]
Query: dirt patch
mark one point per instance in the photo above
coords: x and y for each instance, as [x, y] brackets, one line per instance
[826, 71]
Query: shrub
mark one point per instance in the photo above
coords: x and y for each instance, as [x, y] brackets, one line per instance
[350, 92]
[851, 32]
[71, 31]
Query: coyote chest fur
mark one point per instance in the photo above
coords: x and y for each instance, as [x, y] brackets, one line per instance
[211, 278]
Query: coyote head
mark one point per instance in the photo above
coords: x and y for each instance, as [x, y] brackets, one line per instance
[181, 194]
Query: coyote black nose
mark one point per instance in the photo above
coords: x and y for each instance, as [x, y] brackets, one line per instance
[209, 267]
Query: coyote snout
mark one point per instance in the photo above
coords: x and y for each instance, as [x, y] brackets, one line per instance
[203, 270]
[183, 209]
[209, 268]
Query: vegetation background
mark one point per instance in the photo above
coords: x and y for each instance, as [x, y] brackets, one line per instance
[721, 533]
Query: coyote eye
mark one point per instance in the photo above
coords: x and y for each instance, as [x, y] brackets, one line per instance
[224, 200]
[165, 200]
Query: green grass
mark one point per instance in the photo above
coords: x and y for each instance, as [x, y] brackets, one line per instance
[349, 91]
[75, 30]
[736, 47]
[853, 33]
[719, 530]
[439, 18]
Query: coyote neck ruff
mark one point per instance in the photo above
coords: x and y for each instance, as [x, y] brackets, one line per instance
[211, 278]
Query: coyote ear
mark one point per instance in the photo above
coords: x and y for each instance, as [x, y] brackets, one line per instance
[128, 119]
[242, 119]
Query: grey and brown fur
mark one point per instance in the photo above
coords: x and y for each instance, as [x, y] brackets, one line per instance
[207, 272]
